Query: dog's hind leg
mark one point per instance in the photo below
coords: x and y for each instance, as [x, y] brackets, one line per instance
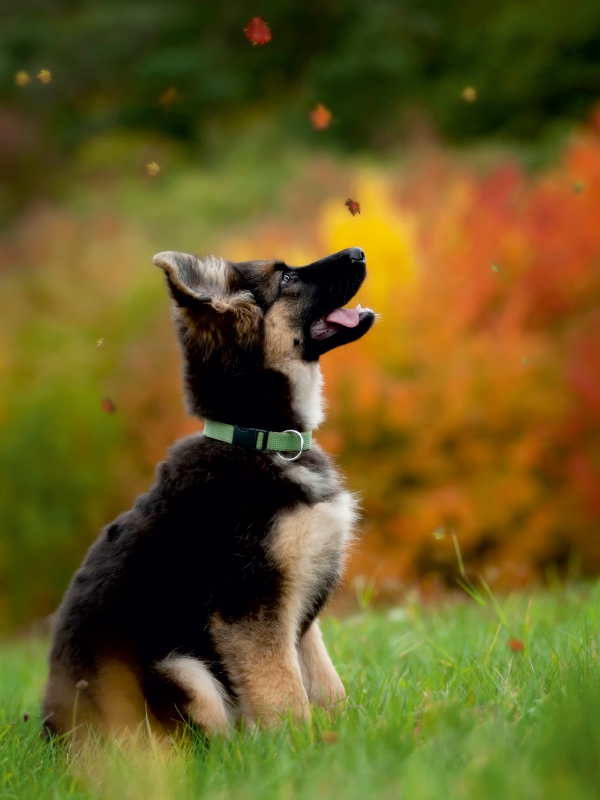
[321, 681]
[208, 703]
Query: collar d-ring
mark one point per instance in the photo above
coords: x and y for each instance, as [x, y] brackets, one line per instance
[299, 453]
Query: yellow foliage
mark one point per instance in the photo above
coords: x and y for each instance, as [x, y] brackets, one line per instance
[381, 230]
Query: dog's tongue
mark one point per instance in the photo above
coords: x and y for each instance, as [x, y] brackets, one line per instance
[348, 317]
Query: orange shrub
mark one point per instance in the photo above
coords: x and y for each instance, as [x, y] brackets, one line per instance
[474, 404]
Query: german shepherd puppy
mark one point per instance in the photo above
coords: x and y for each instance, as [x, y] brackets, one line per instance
[200, 604]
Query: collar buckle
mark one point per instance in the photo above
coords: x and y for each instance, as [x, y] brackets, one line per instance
[248, 437]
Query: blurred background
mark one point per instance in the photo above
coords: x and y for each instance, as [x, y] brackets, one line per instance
[468, 132]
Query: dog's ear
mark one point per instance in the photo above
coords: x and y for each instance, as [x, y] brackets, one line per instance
[215, 315]
[192, 281]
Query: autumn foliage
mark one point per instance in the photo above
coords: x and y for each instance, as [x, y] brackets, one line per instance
[479, 400]
[473, 407]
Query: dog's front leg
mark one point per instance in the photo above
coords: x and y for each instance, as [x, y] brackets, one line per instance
[321, 681]
[261, 659]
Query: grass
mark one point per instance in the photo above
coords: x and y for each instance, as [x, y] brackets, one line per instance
[440, 707]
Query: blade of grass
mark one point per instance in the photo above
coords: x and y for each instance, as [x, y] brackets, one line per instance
[493, 644]
[495, 603]
[472, 592]
[464, 582]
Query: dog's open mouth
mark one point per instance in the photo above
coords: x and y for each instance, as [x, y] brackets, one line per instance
[339, 318]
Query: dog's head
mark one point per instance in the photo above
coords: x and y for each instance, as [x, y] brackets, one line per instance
[252, 333]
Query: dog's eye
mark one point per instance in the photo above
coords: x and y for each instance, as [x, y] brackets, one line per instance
[287, 278]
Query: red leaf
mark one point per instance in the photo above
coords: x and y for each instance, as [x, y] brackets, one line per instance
[516, 645]
[257, 31]
[353, 206]
[320, 117]
[108, 406]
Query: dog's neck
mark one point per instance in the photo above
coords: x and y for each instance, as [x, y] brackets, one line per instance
[306, 385]
[276, 400]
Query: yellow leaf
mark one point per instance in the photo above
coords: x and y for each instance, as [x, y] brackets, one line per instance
[22, 78]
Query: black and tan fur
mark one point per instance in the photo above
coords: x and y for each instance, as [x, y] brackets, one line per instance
[201, 602]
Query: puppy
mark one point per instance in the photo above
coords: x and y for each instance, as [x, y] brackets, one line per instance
[200, 604]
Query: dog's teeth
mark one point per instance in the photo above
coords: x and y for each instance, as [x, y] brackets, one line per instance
[358, 307]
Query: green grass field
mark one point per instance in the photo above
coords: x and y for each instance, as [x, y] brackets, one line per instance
[440, 707]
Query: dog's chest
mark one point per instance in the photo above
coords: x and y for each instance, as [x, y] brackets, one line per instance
[308, 545]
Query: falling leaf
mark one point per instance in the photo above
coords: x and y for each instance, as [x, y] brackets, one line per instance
[22, 78]
[320, 117]
[495, 267]
[108, 405]
[152, 169]
[469, 93]
[44, 76]
[100, 343]
[516, 645]
[329, 737]
[439, 532]
[578, 187]
[353, 206]
[168, 98]
[81, 685]
[257, 31]
[25, 717]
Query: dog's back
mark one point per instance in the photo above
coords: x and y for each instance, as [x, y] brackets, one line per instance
[201, 602]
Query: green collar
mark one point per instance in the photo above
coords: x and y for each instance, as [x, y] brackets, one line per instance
[259, 439]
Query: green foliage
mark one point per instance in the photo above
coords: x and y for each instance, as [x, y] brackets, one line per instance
[61, 455]
[49, 510]
[532, 63]
[439, 707]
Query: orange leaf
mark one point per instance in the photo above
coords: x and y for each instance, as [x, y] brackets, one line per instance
[257, 31]
[320, 117]
[353, 206]
[108, 405]
[169, 97]
[516, 645]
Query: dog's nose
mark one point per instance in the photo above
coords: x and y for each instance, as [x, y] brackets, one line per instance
[356, 254]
